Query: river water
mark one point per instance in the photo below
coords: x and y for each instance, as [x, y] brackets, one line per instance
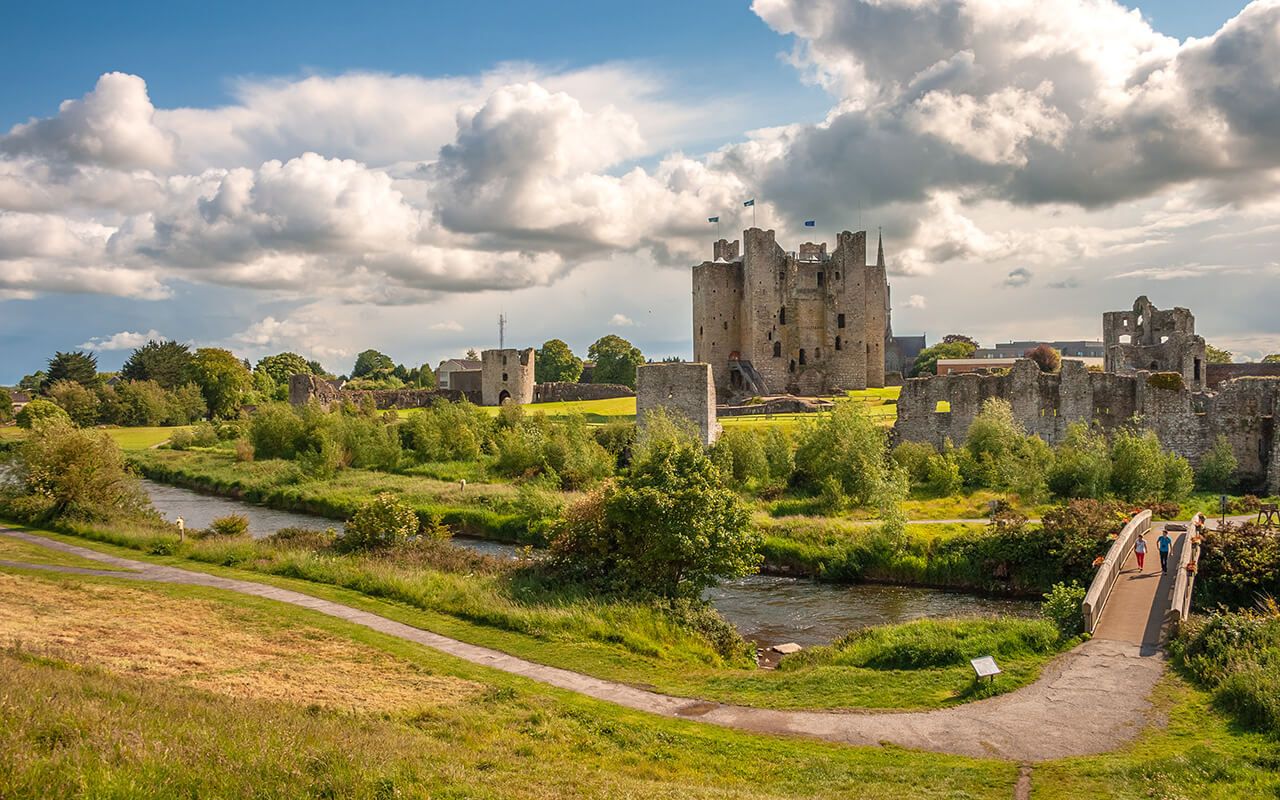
[767, 609]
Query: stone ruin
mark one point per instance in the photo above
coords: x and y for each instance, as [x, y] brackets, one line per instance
[1169, 399]
[683, 388]
[504, 374]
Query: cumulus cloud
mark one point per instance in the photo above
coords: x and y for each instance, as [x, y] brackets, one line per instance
[621, 321]
[1018, 278]
[447, 325]
[124, 340]
[916, 301]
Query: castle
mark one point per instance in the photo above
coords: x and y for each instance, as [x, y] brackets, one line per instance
[807, 322]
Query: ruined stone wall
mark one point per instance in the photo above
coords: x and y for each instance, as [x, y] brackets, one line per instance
[506, 373]
[1187, 423]
[1216, 374]
[305, 388]
[1147, 338]
[565, 392]
[687, 389]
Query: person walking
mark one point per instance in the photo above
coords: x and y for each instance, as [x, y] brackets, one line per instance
[1140, 549]
[1162, 545]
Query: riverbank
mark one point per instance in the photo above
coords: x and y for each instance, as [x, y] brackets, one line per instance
[674, 648]
[953, 556]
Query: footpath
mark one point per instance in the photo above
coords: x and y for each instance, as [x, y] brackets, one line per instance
[1089, 700]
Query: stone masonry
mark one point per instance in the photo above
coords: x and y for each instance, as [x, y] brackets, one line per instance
[1147, 338]
[506, 374]
[805, 322]
[684, 388]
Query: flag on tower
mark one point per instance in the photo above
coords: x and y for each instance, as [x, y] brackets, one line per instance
[749, 203]
[713, 219]
[809, 223]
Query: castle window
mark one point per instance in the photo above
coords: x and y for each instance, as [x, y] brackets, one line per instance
[817, 352]
[782, 316]
[837, 342]
[837, 276]
[1197, 378]
[777, 351]
[802, 357]
[820, 277]
[770, 335]
[504, 363]
[504, 376]
[792, 366]
[868, 348]
[839, 320]
[726, 326]
[782, 276]
[699, 330]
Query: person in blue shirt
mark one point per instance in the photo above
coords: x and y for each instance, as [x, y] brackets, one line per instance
[1162, 544]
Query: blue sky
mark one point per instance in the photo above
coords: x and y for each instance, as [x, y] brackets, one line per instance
[554, 160]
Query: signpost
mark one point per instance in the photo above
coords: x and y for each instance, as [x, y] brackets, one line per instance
[1222, 499]
[985, 667]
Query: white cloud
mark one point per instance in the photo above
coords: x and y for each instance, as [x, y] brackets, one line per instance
[621, 321]
[916, 301]
[1018, 277]
[448, 325]
[124, 340]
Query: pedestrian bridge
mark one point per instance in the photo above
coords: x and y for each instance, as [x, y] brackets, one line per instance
[1126, 604]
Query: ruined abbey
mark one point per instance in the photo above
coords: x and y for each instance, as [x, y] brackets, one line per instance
[1155, 377]
[807, 322]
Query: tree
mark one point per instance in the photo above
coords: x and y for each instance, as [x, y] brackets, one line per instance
[370, 362]
[670, 528]
[959, 338]
[998, 453]
[556, 362]
[1137, 466]
[40, 410]
[846, 451]
[6, 405]
[1216, 355]
[1274, 358]
[1082, 464]
[316, 368]
[1217, 469]
[616, 360]
[77, 366]
[472, 355]
[32, 383]
[222, 378]
[167, 363]
[1048, 358]
[80, 402]
[280, 366]
[927, 362]
[380, 523]
[62, 471]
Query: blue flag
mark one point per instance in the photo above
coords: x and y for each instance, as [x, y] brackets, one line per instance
[713, 219]
[809, 223]
[750, 202]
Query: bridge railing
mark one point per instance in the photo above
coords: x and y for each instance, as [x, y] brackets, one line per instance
[1095, 600]
[1184, 580]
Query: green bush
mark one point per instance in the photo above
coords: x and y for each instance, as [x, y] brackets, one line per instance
[1239, 563]
[998, 454]
[230, 525]
[40, 410]
[845, 448]
[380, 523]
[1237, 655]
[1140, 470]
[276, 431]
[740, 457]
[1081, 464]
[446, 432]
[942, 475]
[1063, 605]
[913, 457]
[1217, 469]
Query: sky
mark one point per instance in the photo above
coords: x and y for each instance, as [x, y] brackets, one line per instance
[325, 178]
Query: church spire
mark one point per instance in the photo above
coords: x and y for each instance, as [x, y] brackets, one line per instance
[880, 249]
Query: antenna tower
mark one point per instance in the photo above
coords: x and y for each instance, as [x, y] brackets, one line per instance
[502, 331]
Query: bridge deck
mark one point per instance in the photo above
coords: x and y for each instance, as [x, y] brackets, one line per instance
[1139, 602]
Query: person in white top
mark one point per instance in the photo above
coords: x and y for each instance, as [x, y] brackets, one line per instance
[1140, 549]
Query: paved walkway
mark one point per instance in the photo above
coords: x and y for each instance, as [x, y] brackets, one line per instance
[1089, 700]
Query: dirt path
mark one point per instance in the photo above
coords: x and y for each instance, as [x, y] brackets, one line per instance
[1089, 700]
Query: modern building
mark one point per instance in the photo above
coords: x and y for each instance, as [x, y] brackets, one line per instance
[1076, 349]
[952, 366]
[446, 369]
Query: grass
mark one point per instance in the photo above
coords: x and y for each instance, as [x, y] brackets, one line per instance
[626, 642]
[127, 438]
[17, 550]
[77, 725]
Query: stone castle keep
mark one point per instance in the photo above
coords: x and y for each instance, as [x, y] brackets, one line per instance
[807, 322]
[1155, 377]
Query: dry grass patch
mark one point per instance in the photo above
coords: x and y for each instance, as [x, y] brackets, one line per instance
[213, 646]
[27, 553]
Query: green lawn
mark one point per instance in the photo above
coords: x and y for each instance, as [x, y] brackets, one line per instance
[79, 726]
[17, 550]
[127, 438]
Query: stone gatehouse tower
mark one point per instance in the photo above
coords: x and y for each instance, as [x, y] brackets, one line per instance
[1149, 339]
[805, 322]
[506, 374]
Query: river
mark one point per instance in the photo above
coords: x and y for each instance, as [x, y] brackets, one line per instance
[766, 609]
